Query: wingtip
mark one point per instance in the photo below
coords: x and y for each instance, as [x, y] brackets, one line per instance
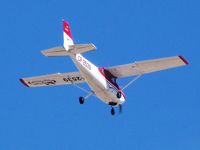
[43, 52]
[23, 82]
[183, 59]
[94, 46]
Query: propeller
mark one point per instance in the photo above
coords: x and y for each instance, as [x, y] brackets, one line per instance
[120, 108]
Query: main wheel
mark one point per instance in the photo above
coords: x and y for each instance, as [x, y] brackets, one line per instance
[112, 111]
[119, 94]
[81, 100]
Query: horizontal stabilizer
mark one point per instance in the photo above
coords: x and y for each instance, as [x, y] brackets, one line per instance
[53, 79]
[73, 49]
[56, 51]
[81, 48]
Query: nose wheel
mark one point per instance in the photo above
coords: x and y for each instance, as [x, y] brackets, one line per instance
[112, 111]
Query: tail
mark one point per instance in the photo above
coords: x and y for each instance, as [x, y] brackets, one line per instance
[68, 45]
[67, 36]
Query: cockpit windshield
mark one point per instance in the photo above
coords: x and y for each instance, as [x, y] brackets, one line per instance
[110, 77]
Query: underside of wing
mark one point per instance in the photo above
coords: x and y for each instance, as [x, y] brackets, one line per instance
[53, 79]
[147, 66]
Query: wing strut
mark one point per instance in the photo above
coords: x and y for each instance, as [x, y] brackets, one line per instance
[81, 88]
[131, 82]
[90, 93]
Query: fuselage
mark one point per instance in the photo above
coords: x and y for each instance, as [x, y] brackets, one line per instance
[101, 82]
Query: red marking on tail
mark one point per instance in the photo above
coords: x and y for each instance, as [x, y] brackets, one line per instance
[66, 29]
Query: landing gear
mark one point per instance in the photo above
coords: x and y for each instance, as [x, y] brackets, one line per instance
[81, 100]
[119, 94]
[112, 111]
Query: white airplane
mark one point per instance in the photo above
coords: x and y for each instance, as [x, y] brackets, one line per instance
[102, 81]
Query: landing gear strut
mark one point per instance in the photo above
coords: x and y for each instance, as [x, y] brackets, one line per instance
[81, 100]
[112, 111]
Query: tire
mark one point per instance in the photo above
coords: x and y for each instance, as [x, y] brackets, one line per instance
[81, 100]
[112, 111]
[119, 94]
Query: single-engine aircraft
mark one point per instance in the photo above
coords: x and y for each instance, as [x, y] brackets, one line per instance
[102, 81]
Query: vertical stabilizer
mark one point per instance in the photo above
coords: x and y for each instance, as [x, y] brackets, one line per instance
[67, 36]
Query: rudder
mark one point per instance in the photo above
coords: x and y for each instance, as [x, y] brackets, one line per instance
[67, 36]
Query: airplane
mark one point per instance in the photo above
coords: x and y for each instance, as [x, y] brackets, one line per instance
[102, 81]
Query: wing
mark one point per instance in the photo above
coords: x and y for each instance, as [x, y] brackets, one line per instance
[147, 66]
[53, 79]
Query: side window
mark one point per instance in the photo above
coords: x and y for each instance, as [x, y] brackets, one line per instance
[113, 80]
[109, 76]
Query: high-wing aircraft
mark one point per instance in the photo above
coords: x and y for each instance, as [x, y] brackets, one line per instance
[102, 81]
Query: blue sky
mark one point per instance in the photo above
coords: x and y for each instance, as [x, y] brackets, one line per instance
[162, 109]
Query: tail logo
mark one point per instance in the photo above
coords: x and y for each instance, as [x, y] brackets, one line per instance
[67, 29]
